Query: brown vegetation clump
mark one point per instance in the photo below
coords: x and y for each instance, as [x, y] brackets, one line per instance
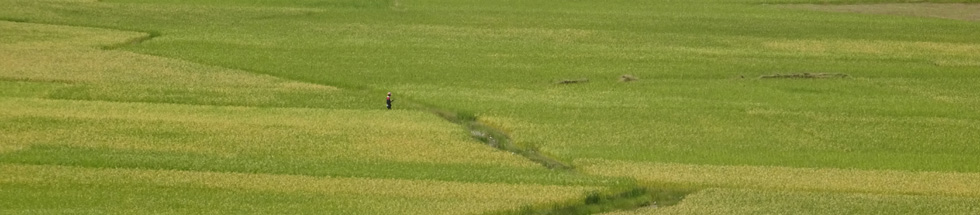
[806, 75]
[628, 78]
[573, 81]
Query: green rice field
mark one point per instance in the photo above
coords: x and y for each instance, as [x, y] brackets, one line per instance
[650, 107]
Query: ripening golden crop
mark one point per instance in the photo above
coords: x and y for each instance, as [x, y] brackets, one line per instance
[787, 178]
[751, 201]
[396, 195]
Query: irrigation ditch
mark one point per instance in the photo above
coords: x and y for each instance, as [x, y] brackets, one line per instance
[628, 197]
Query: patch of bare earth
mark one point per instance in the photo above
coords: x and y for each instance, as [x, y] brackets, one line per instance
[959, 11]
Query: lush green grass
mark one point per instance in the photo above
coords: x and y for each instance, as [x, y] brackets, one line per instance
[908, 105]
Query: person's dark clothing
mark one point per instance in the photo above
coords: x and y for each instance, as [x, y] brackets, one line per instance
[388, 100]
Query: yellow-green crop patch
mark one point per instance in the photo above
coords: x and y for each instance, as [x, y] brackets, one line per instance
[742, 201]
[67, 63]
[402, 136]
[961, 11]
[784, 178]
[34, 189]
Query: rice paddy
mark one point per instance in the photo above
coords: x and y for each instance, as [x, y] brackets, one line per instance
[258, 107]
[95, 124]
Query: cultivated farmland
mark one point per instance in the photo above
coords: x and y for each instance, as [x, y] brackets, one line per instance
[260, 106]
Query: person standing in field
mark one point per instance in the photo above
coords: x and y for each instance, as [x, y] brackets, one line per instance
[388, 100]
